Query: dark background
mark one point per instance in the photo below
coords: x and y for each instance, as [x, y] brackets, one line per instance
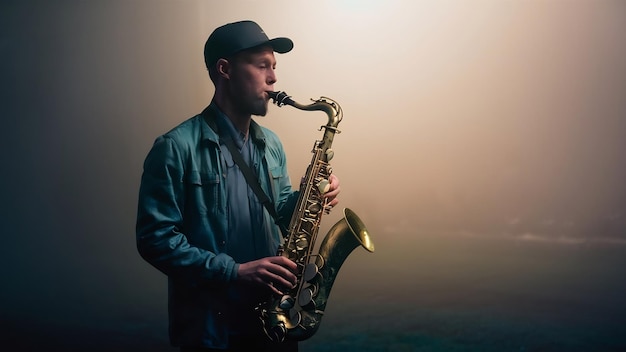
[496, 195]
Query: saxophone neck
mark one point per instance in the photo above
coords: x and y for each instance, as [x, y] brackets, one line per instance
[327, 105]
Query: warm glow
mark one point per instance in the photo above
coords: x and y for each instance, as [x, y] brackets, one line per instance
[460, 116]
[483, 146]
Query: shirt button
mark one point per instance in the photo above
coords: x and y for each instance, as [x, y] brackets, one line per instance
[223, 243]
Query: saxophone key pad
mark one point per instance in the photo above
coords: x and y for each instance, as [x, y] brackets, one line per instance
[302, 243]
[295, 317]
[323, 186]
[329, 154]
[315, 208]
[310, 271]
[287, 302]
[305, 297]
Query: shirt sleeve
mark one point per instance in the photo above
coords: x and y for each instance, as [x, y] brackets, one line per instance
[160, 240]
[287, 197]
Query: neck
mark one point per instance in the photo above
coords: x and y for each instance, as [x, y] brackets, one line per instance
[241, 121]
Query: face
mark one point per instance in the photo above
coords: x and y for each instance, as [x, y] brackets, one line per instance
[251, 75]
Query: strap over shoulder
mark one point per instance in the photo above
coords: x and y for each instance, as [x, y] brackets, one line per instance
[209, 116]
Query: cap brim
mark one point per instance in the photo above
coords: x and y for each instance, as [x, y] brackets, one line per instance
[281, 45]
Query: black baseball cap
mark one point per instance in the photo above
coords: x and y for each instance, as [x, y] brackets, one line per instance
[232, 38]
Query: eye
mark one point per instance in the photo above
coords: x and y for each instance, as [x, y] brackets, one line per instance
[266, 65]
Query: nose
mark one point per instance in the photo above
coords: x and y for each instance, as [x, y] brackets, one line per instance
[271, 76]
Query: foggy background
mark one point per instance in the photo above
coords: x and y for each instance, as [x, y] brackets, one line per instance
[482, 144]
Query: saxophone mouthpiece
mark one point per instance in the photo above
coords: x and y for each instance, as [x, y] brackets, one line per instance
[280, 98]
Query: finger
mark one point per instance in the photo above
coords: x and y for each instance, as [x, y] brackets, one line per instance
[284, 262]
[274, 289]
[334, 188]
[279, 284]
[333, 202]
[282, 275]
[284, 278]
[331, 195]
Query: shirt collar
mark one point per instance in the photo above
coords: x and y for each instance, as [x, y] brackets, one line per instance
[227, 129]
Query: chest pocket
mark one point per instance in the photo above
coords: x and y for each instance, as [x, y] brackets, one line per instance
[278, 180]
[277, 173]
[202, 191]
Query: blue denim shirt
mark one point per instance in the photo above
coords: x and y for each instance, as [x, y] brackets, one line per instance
[248, 237]
[182, 224]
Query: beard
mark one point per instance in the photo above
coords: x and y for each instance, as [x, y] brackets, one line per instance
[250, 103]
[257, 107]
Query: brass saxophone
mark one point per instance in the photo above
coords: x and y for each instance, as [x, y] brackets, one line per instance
[296, 315]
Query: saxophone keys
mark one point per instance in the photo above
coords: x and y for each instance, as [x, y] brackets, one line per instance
[302, 243]
[315, 208]
[295, 317]
[320, 261]
[287, 302]
[277, 333]
[323, 186]
[329, 154]
[315, 287]
[310, 271]
[305, 297]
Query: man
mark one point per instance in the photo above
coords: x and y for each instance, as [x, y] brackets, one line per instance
[199, 221]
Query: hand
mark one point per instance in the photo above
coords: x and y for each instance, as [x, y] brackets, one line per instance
[275, 273]
[334, 190]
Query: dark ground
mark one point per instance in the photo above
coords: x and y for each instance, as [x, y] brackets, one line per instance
[445, 295]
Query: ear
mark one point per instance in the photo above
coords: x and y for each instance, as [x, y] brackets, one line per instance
[223, 68]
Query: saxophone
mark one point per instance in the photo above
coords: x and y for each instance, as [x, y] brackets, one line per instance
[296, 315]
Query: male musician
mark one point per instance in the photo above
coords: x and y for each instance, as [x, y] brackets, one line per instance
[200, 222]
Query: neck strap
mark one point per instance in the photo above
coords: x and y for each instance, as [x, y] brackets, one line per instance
[210, 118]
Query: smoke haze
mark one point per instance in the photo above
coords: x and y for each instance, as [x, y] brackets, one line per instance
[495, 124]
